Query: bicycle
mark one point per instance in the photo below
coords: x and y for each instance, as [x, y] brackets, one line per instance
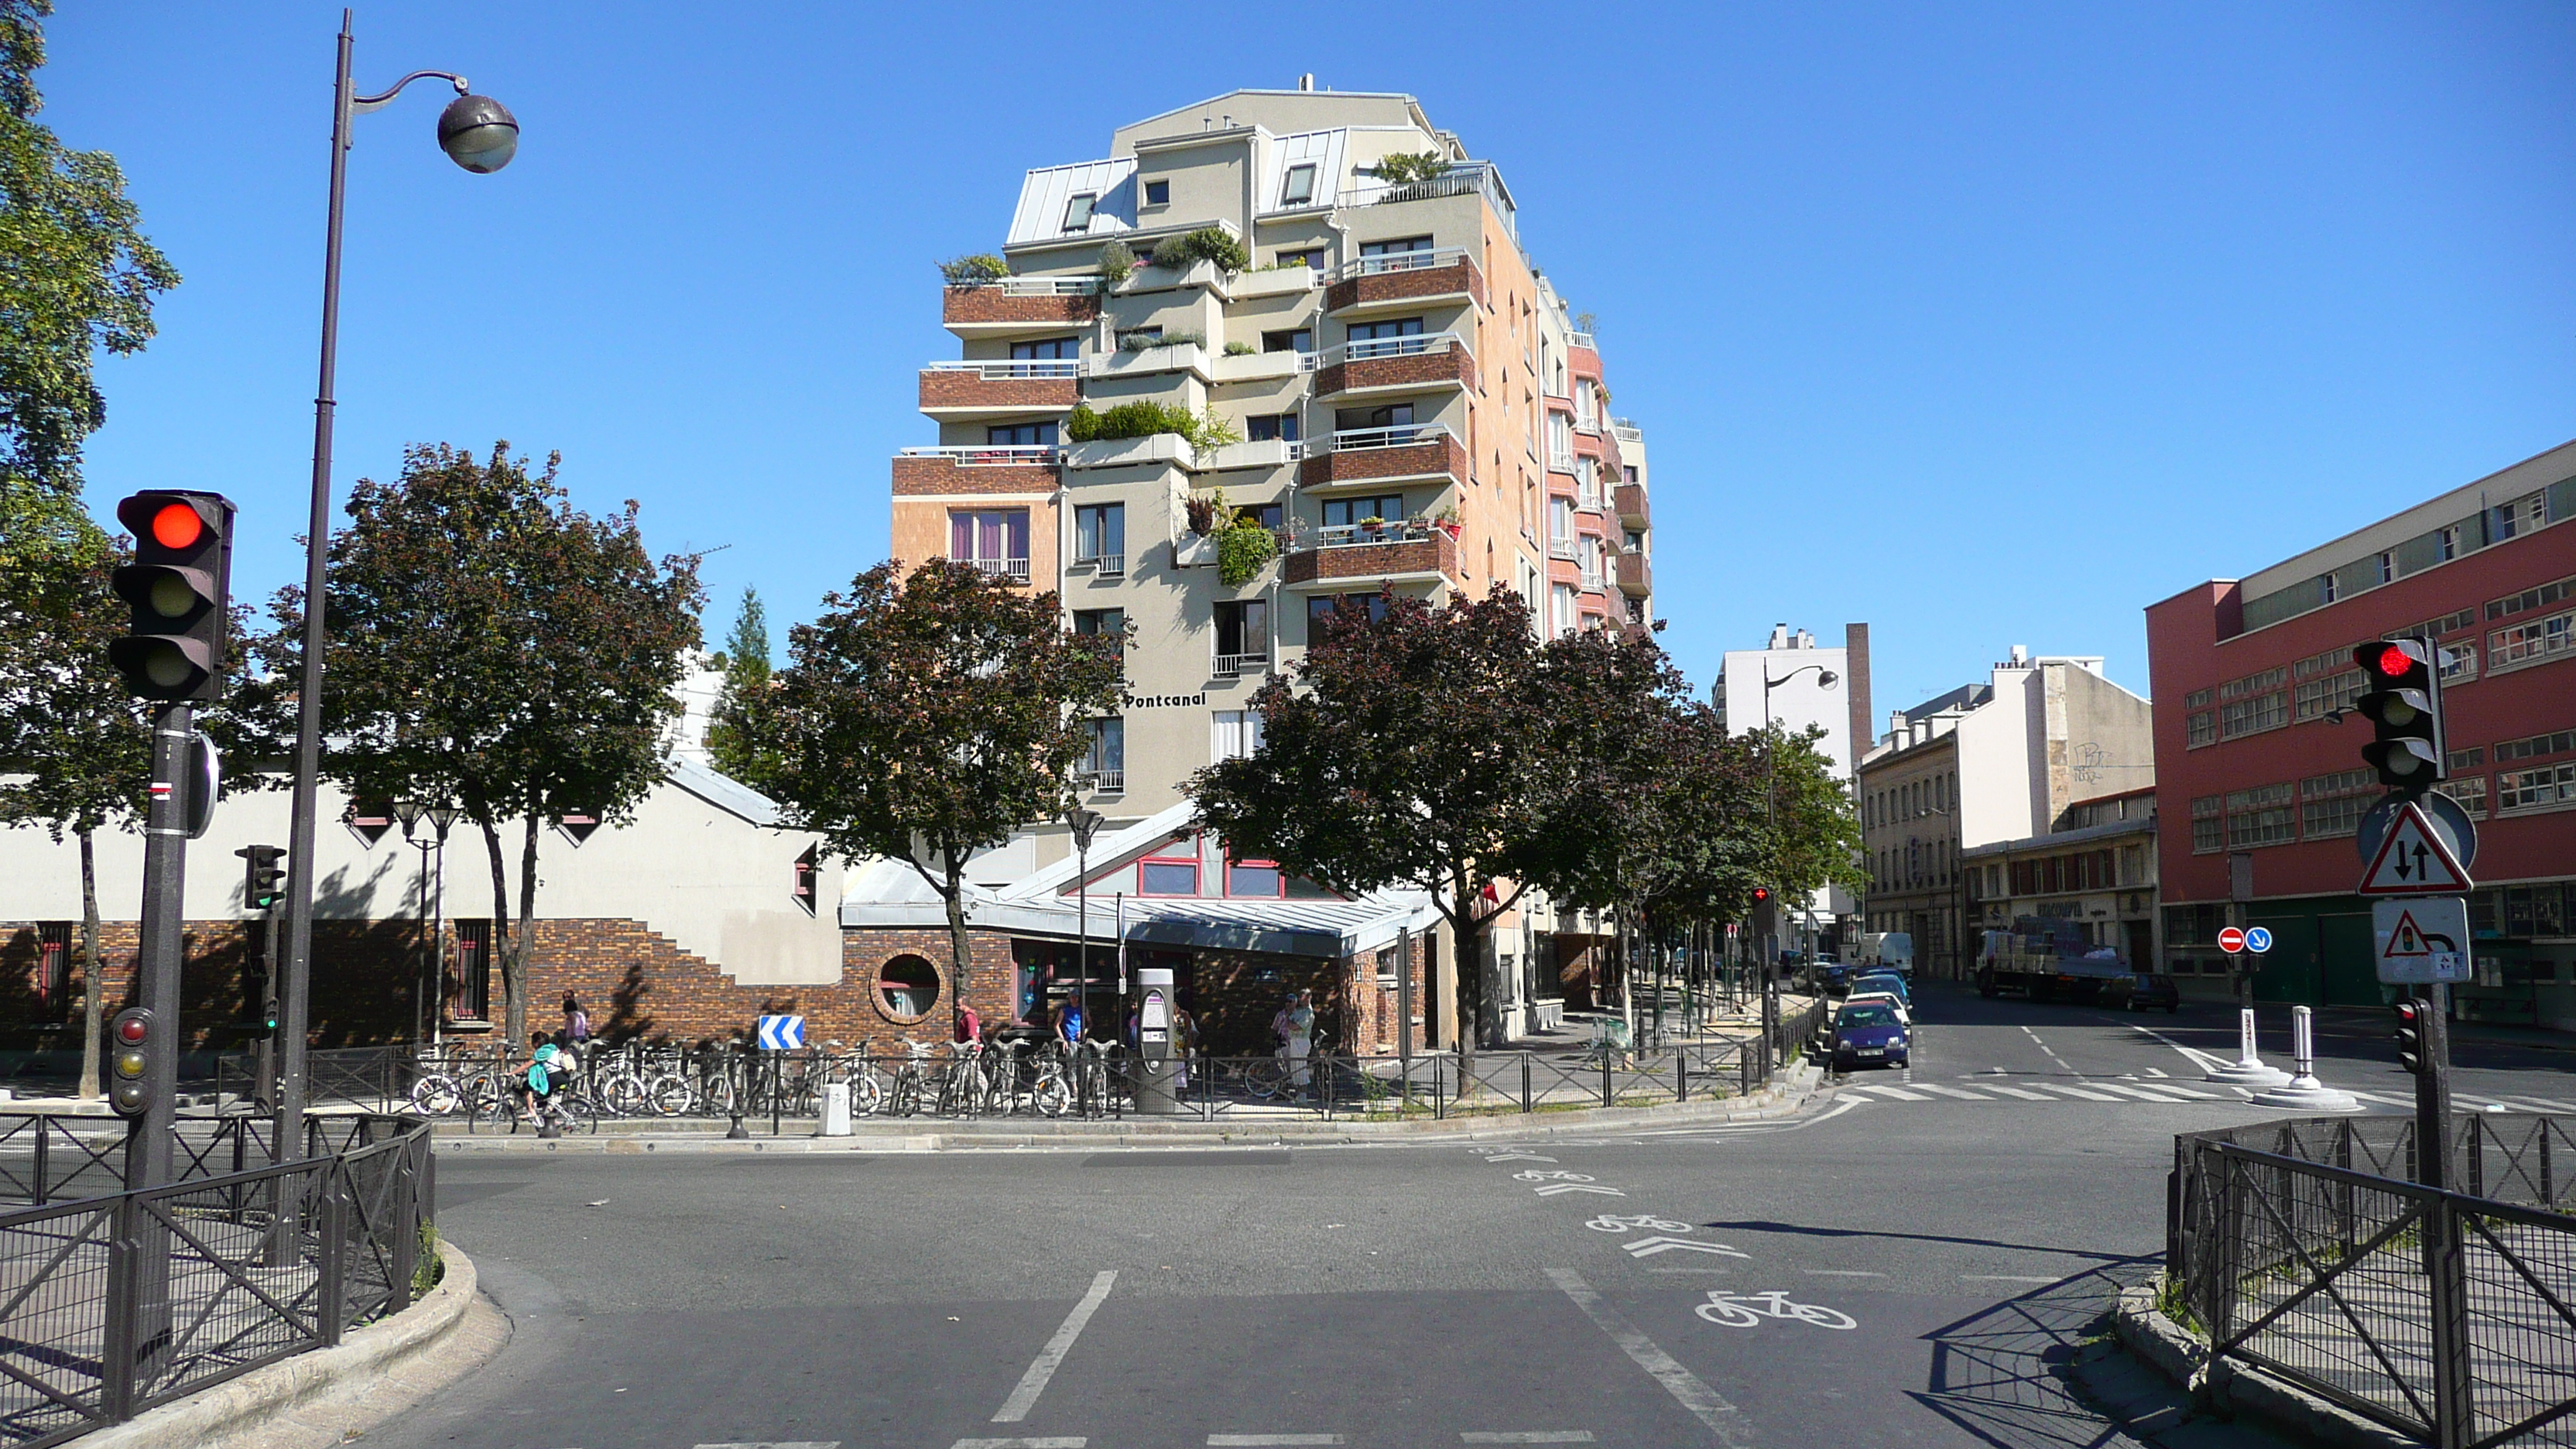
[1747, 1310]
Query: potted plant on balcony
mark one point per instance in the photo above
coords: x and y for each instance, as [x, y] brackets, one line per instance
[979, 270]
[1117, 262]
[1369, 530]
[1447, 521]
[1243, 549]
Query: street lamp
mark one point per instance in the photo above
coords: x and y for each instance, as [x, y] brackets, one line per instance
[479, 134]
[1084, 822]
[1825, 679]
[433, 906]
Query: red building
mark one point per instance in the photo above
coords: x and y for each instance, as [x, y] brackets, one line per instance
[2256, 752]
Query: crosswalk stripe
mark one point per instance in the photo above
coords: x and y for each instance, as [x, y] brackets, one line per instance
[2017, 1092]
[1059, 1441]
[2076, 1092]
[1899, 1093]
[2179, 1090]
[1527, 1436]
[2544, 1104]
[2385, 1100]
[1953, 1092]
[2141, 1093]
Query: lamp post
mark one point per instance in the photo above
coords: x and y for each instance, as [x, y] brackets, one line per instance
[478, 134]
[433, 907]
[1084, 822]
[1825, 679]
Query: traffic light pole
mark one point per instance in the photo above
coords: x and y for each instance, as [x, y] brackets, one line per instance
[2433, 1093]
[157, 963]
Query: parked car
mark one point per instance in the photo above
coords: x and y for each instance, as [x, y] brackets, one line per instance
[2148, 989]
[1887, 981]
[1829, 976]
[1868, 1034]
[1860, 994]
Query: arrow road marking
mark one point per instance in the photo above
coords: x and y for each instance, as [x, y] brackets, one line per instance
[1649, 1247]
[1551, 1189]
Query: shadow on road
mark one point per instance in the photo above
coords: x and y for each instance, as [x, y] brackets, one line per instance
[1754, 1225]
[2002, 1374]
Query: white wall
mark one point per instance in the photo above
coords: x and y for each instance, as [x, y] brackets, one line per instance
[1798, 703]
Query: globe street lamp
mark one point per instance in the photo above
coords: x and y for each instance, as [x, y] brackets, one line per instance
[479, 134]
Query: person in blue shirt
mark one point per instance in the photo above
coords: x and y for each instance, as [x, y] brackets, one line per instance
[1068, 1020]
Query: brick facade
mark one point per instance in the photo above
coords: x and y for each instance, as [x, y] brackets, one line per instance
[1443, 456]
[1450, 364]
[1449, 281]
[992, 305]
[930, 477]
[948, 388]
[1374, 560]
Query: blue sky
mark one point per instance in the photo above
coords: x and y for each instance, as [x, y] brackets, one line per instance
[1986, 324]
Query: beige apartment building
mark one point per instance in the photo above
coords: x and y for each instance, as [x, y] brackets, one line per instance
[1418, 411]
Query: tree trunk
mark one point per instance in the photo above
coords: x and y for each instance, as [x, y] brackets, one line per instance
[514, 1012]
[1467, 933]
[953, 895]
[90, 974]
[524, 938]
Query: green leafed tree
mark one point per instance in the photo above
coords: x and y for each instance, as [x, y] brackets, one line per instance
[928, 714]
[493, 646]
[1413, 751]
[77, 276]
[1817, 836]
[738, 734]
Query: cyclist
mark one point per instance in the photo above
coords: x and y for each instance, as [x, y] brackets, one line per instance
[548, 1066]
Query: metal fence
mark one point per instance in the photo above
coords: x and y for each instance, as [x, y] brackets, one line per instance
[2301, 1248]
[113, 1303]
[372, 1078]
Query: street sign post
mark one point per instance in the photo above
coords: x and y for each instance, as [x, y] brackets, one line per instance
[2420, 940]
[2449, 820]
[2414, 859]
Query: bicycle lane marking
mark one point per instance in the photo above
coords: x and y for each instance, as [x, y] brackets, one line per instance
[1034, 1382]
[1702, 1402]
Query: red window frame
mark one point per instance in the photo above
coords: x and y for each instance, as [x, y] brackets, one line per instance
[1157, 857]
[1232, 864]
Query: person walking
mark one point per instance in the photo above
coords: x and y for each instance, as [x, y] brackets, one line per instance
[1297, 1022]
[1185, 1040]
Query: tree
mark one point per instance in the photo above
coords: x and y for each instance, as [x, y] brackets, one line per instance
[1411, 750]
[76, 275]
[493, 646]
[736, 728]
[1816, 838]
[927, 715]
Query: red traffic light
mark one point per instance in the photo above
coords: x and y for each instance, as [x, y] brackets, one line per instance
[1761, 894]
[177, 525]
[131, 1030]
[2393, 661]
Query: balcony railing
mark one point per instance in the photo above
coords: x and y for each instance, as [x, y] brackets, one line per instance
[1033, 286]
[1464, 178]
[1022, 369]
[1379, 266]
[1107, 565]
[1583, 340]
[1235, 666]
[1561, 462]
[1626, 431]
[1013, 568]
[1561, 548]
[1408, 435]
[1360, 535]
[1375, 347]
[1006, 456]
[1592, 580]
[1107, 782]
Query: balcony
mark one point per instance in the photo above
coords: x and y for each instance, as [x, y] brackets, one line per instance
[1463, 178]
[1106, 782]
[1378, 553]
[928, 471]
[964, 391]
[1584, 341]
[1636, 575]
[1103, 565]
[1014, 569]
[1235, 666]
[1561, 548]
[1402, 281]
[1439, 360]
[1019, 305]
[1421, 451]
[1630, 499]
[1627, 432]
[1152, 450]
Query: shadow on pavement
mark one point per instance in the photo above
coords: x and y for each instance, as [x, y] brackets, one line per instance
[1755, 1225]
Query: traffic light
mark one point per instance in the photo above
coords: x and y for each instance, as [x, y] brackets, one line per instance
[2410, 1034]
[129, 1037]
[263, 879]
[2404, 705]
[177, 585]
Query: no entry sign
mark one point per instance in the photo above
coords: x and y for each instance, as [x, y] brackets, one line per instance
[2231, 940]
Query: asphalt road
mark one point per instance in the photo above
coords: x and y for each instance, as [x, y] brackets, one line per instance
[1916, 1259]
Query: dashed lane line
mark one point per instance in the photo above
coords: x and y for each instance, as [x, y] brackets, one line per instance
[1239, 1441]
[1526, 1436]
[2052, 1055]
[1714, 1413]
[1841, 1273]
[1056, 1441]
[787, 1444]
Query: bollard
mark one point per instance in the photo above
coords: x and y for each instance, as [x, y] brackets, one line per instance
[2248, 1069]
[2304, 1091]
[836, 1110]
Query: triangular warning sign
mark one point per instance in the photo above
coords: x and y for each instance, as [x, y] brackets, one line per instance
[2414, 859]
[2406, 940]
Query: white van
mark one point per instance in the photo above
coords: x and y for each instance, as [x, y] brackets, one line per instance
[1892, 949]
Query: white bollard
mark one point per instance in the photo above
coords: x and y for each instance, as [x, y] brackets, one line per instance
[2248, 1069]
[2304, 1090]
[836, 1110]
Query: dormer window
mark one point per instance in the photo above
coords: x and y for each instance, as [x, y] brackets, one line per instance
[1299, 188]
[1077, 210]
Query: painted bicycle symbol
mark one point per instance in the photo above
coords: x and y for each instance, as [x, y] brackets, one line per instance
[1747, 1310]
[1543, 1175]
[1629, 1223]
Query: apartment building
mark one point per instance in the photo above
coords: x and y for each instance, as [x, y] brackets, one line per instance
[2259, 754]
[2097, 869]
[1799, 684]
[1418, 411]
[2006, 760]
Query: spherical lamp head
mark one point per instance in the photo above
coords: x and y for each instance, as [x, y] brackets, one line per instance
[1825, 679]
[478, 133]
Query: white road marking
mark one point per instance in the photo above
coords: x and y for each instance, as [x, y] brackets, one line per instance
[2198, 1058]
[1059, 1441]
[2076, 1092]
[1527, 1436]
[2155, 1071]
[1954, 1092]
[2003, 1278]
[2052, 1056]
[1250, 1439]
[780, 1444]
[1649, 1247]
[2141, 1093]
[2017, 1092]
[2384, 1100]
[2173, 1088]
[1842, 1273]
[1551, 1189]
[2544, 1104]
[1715, 1413]
[1899, 1093]
[1034, 1382]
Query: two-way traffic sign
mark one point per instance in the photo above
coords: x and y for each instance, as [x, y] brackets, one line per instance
[782, 1033]
[2413, 859]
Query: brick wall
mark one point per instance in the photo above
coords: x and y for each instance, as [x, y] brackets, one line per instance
[1452, 364]
[363, 970]
[991, 304]
[926, 477]
[1444, 454]
[951, 388]
[1374, 560]
[1459, 276]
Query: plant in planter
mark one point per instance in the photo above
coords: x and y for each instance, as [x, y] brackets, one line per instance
[1183, 339]
[1207, 244]
[1210, 429]
[1202, 511]
[1243, 549]
[1407, 166]
[1117, 262]
[975, 270]
[1240, 349]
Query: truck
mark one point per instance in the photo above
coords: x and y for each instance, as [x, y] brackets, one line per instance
[2047, 960]
[1892, 949]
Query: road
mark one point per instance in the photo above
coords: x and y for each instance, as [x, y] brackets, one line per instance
[1537, 1291]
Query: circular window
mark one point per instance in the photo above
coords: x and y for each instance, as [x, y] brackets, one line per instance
[907, 988]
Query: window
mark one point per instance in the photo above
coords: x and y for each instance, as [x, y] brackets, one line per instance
[469, 990]
[2332, 805]
[2459, 662]
[1560, 522]
[2260, 816]
[1105, 763]
[1299, 339]
[2471, 792]
[2315, 698]
[1257, 879]
[2208, 824]
[1273, 427]
[1560, 441]
[2253, 716]
[1242, 637]
[1272, 516]
[1100, 621]
[1396, 247]
[807, 879]
[907, 988]
[994, 540]
[1077, 210]
[1100, 536]
[1343, 512]
[1321, 606]
[1561, 609]
[1298, 189]
[2549, 744]
[2529, 599]
[1392, 327]
[1309, 257]
[2524, 643]
[2541, 789]
[1173, 870]
[1021, 435]
[2201, 729]
[1049, 349]
[1158, 193]
[1234, 734]
[51, 980]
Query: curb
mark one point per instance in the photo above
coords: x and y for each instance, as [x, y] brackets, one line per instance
[1778, 1100]
[265, 1399]
[2228, 1389]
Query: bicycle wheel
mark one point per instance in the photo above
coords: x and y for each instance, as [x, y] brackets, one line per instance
[1051, 1096]
[576, 1113]
[1732, 1315]
[1821, 1316]
[1265, 1077]
[866, 1094]
[624, 1095]
[715, 1096]
[483, 1099]
[437, 1095]
[907, 1093]
[668, 1096]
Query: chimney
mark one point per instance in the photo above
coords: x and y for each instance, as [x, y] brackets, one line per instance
[1806, 640]
[1856, 686]
[1306, 82]
[2020, 655]
[1779, 637]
